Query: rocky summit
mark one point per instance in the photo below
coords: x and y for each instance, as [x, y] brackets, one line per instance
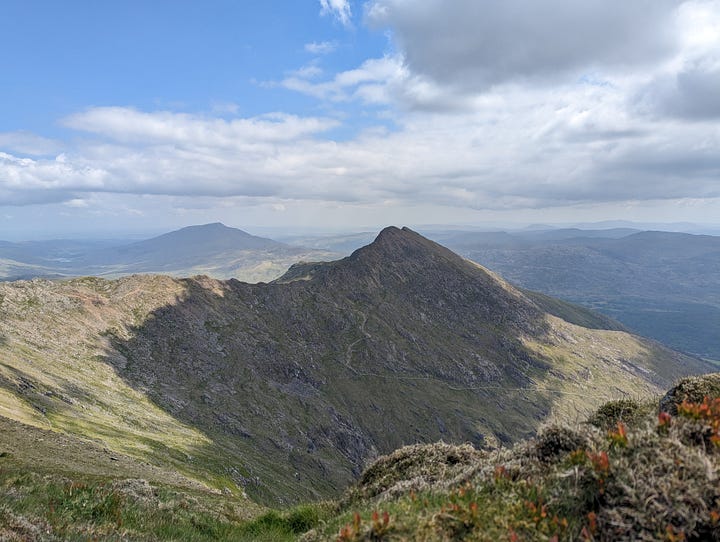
[285, 391]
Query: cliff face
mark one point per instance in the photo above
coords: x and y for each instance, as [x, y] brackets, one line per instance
[293, 386]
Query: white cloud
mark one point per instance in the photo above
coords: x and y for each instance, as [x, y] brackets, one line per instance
[25, 181]
[309, 71]
[321, 48]
[479, 121]
[689, 85]
[475, 45]
[130, 125]
[369, 82]
[340, 9]
[554, 147]
[28, 143]
[77, 203]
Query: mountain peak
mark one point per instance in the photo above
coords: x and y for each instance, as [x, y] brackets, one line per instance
[393, 232]
[212, 226]
[395, 244]
[401, 250]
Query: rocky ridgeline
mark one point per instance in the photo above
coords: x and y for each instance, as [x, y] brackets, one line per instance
[287, 390]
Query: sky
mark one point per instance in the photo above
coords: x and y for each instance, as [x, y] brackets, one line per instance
[141, 116]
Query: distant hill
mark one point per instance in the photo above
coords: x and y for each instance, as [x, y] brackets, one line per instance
[212, 249]
[284, 391]
[190, 245]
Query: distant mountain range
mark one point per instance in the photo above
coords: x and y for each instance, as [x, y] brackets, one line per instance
[662, 285]
[211, 249]
[285, 390]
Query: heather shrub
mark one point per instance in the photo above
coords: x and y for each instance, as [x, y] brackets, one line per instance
[692, 389]
[628, 411]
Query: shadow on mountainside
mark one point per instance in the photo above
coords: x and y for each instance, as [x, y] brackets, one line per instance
[303, 381]
[300, 382]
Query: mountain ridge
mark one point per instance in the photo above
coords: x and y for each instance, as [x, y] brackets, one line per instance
[285, 390]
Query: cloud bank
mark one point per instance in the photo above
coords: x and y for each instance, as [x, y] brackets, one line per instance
[512, 104]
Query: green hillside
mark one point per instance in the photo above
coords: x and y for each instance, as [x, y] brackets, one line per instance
[282, 393]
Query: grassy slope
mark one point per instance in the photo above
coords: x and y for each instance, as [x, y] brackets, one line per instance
[56, 486]
[59, 371]
[573, 313]
[54, 372]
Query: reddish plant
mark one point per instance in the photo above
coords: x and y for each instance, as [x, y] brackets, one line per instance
[707, 412]
[619, 438]
[351, 531]
[601, 465]
[380, 526]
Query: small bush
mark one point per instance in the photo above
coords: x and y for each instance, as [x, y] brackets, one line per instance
[626, 411]
[556, 441]
[413, 468]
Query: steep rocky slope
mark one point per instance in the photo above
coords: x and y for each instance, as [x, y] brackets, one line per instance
[286, 390]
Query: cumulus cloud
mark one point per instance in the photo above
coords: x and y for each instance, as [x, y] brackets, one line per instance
[370, 82]
[495, 105]
[475, 45]
[25, 181]
[339, 9]
[689, 87]
[130, 125]
[693, 94]
[514, 150]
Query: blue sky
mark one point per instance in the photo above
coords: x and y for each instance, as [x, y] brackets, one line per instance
[145, 116]
[191, 56]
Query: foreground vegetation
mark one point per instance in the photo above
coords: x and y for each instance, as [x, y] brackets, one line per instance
[629, 473]
[35, 507]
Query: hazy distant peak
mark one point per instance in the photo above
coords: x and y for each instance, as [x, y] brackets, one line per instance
[209, 229]
[210, 226]
[212, 233]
